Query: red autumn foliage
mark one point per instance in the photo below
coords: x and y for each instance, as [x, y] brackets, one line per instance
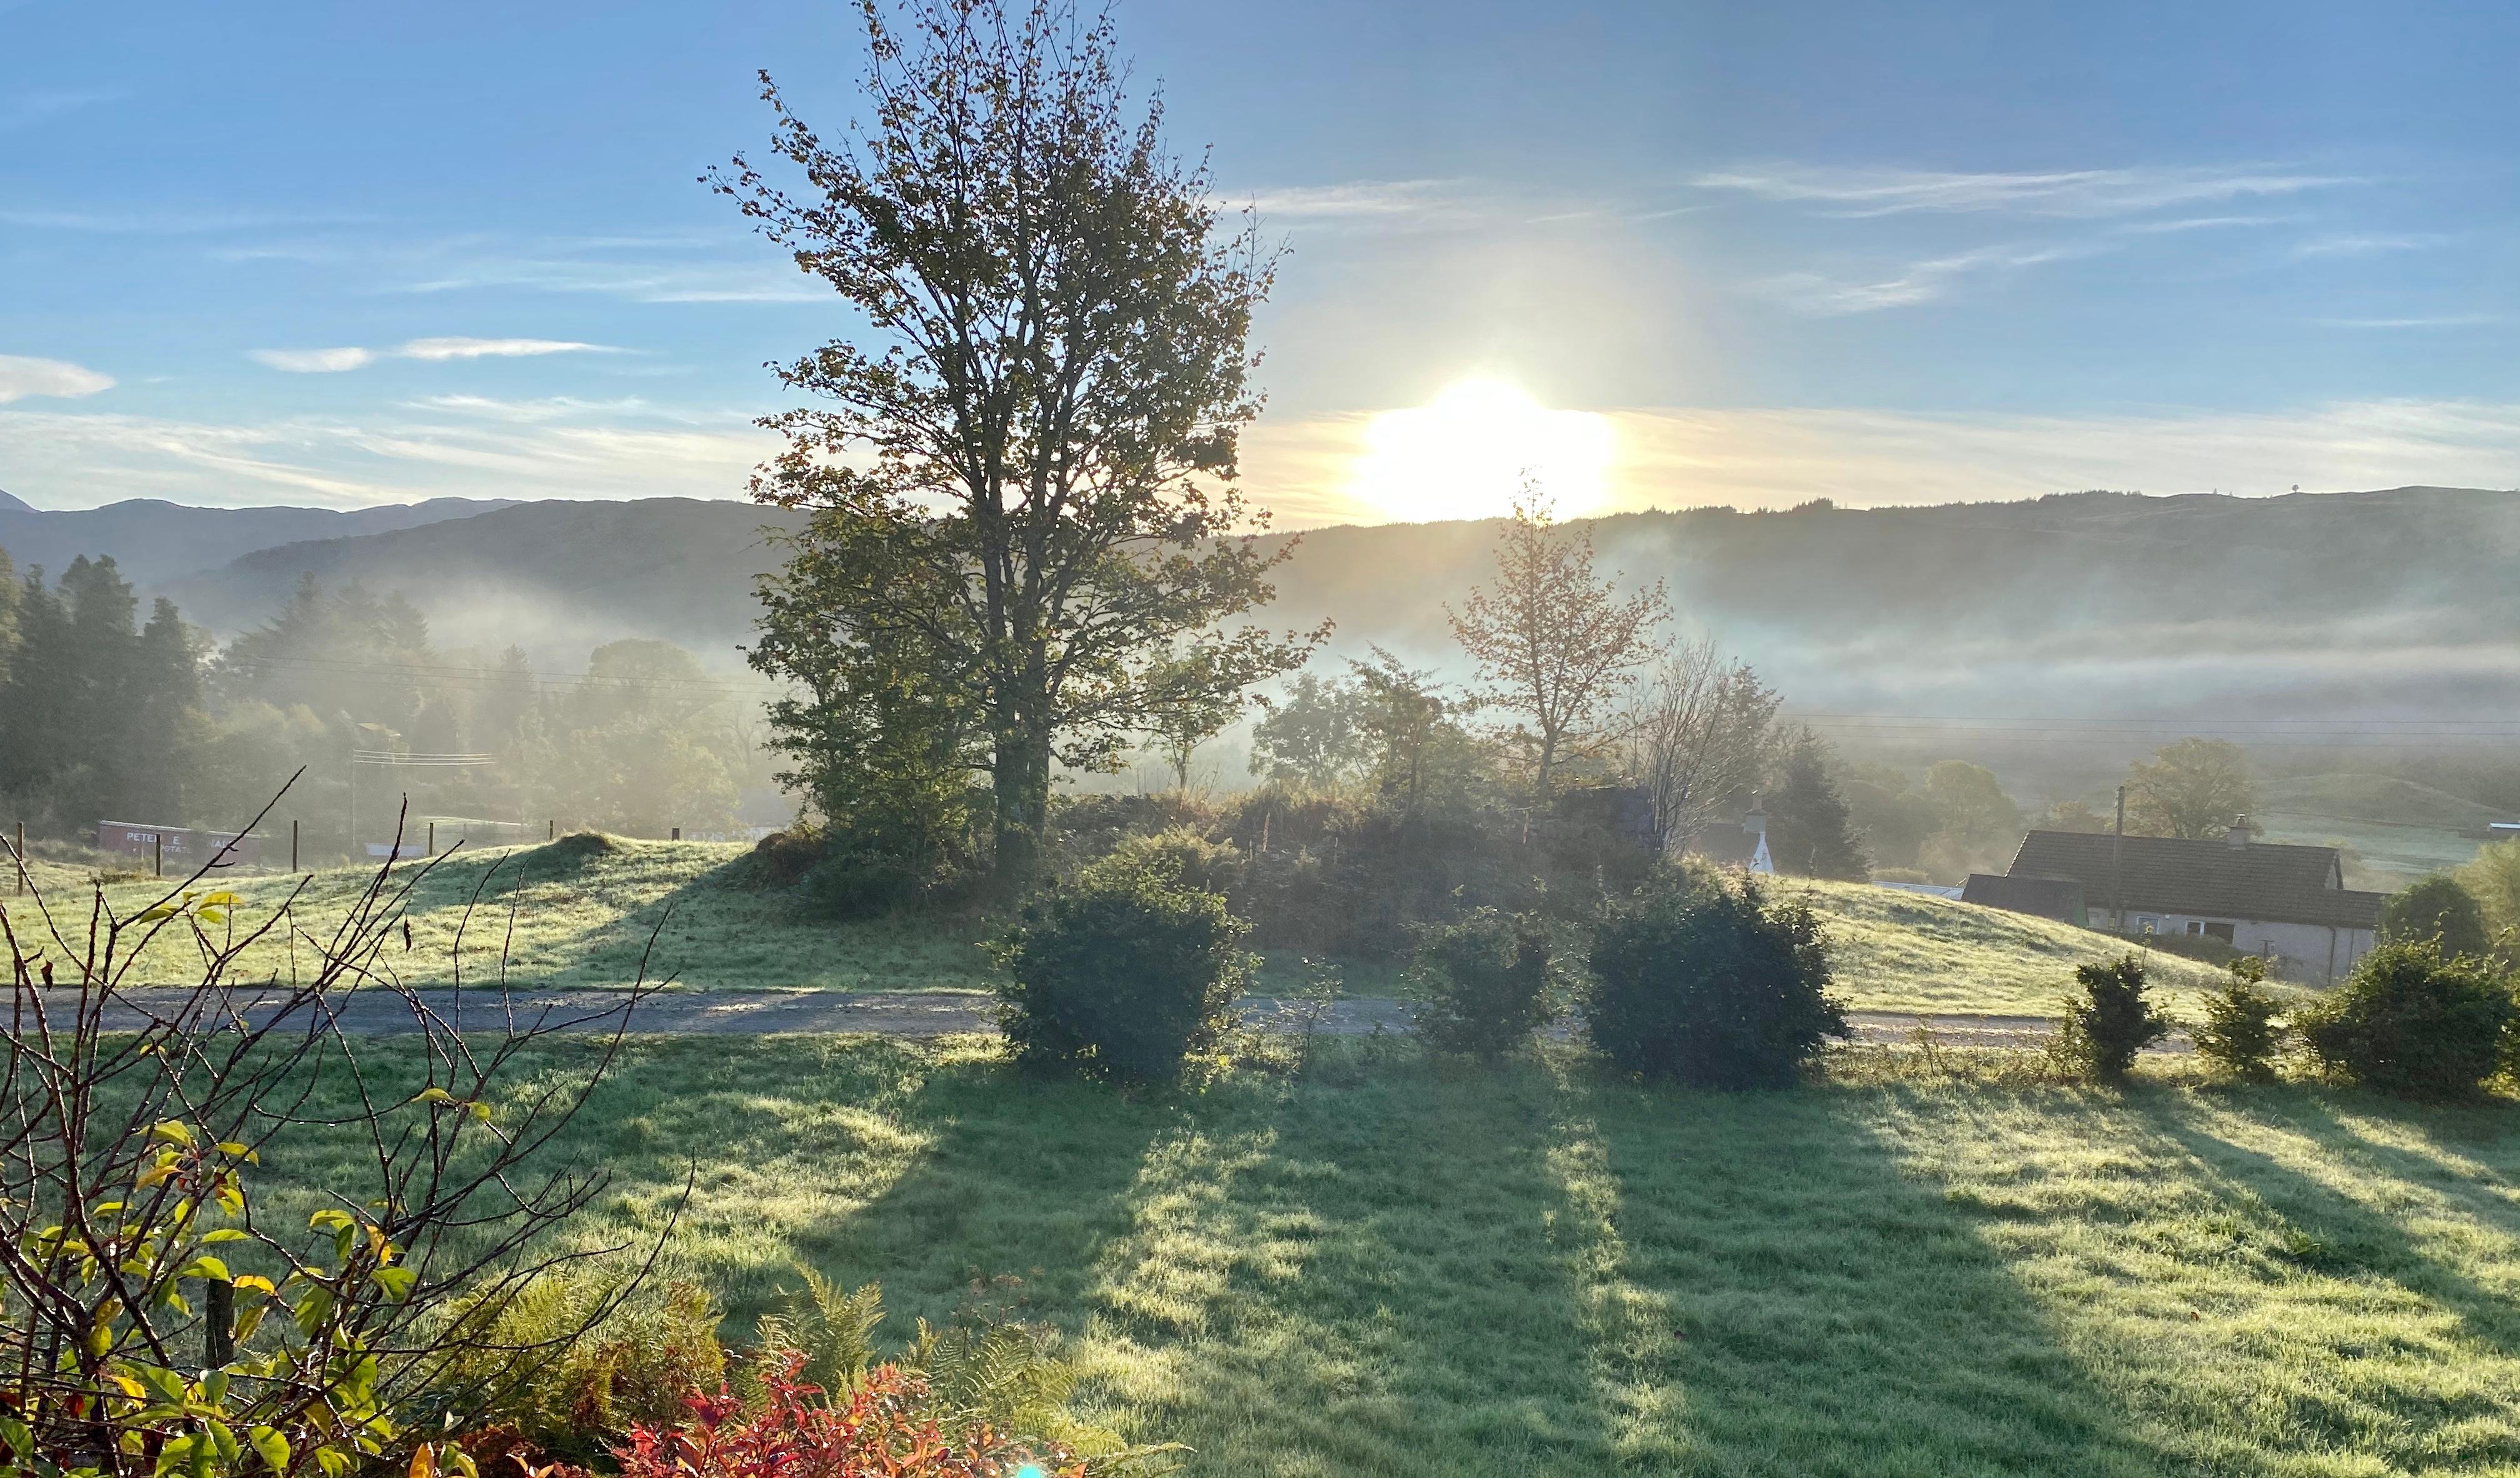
[878, 1433]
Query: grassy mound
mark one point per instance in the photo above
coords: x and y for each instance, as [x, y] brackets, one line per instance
[2383, 799]
[1911, 952]
[1412, 1271]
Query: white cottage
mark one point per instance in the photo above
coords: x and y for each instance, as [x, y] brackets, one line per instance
[2287, 902]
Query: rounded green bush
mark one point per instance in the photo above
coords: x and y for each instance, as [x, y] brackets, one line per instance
[1709, 984]
[2434, 908]
[2411, 1023]
[1121, 975]
[1483, 983]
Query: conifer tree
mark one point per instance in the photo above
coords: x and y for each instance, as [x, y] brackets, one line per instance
[1810, 830]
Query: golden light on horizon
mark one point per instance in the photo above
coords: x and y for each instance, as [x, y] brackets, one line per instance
[1467, 456]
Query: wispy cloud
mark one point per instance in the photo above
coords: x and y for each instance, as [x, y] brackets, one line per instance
[65, 459]
[1815, 296]
[2365, 245]
[152, 221]
[2432, 321]
[2088, 194]
[2179, 224]
[635, 281]
[22, 377]
[1372, 200]
[313, 361]
[27, 107]
[327, 361]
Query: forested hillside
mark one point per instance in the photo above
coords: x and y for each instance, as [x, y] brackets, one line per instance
[2079, 607]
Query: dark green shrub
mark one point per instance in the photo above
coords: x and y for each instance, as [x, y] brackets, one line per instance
[2411, 1023]
[2111, 1021]
[1121, 975]
[2434, 908]
[781, 857]
[1483, 983]
[2240, 1034]
[1709, 984]
[855, 885]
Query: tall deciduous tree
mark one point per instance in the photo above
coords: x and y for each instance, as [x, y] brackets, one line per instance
[1025, 471]
[2194, 788]
[1315, 734]
[1554, 641]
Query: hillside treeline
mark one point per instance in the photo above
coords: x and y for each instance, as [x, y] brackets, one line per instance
[106, 716]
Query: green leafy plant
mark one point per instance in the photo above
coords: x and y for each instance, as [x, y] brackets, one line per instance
[1483, 983]
[2240, 1033]
[1121, 975]
[616, 1361]
[1709, 983]
[2409, 1022]
[2110, 1022]
[155, 1318]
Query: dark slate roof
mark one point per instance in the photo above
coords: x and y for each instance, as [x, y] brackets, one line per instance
[2263, 881]
[2047, 898]
[1722, 842]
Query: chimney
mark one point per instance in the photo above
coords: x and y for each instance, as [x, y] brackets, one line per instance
[2239, 832]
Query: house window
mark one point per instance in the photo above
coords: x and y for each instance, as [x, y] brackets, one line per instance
[2195, 928]
[2220, 932]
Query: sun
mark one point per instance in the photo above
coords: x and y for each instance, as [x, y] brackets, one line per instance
[1469, 455]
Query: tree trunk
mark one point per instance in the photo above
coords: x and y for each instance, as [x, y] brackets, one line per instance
[1020, 786]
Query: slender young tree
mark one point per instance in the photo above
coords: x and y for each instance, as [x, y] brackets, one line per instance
[1554, 641]
[1696, 734]
[8, 611]
[1023, 473]
[1188, 704]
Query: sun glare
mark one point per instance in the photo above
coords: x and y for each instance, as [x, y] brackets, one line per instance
[1469, 453]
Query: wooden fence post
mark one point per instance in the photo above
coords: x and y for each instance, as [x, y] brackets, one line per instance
[157, 853]
[293, 846]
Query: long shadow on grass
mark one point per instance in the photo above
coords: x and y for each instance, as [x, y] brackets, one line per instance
[1314, 1279]
[2327, 1230]
[1776, 1297]
[2399, 1387]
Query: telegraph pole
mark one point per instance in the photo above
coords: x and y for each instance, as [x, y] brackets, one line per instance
[2117, 865]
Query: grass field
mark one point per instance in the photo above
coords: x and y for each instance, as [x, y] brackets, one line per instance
[583, 918]
[1908, 951]
[1398, 1269]
[2393, 831]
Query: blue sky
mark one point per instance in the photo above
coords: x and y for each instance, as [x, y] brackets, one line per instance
[325, 253]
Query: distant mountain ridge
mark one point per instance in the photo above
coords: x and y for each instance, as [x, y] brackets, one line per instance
[2092, 604]
[155, 542]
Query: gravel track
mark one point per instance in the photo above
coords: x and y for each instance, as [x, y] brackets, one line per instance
[910, 1014]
